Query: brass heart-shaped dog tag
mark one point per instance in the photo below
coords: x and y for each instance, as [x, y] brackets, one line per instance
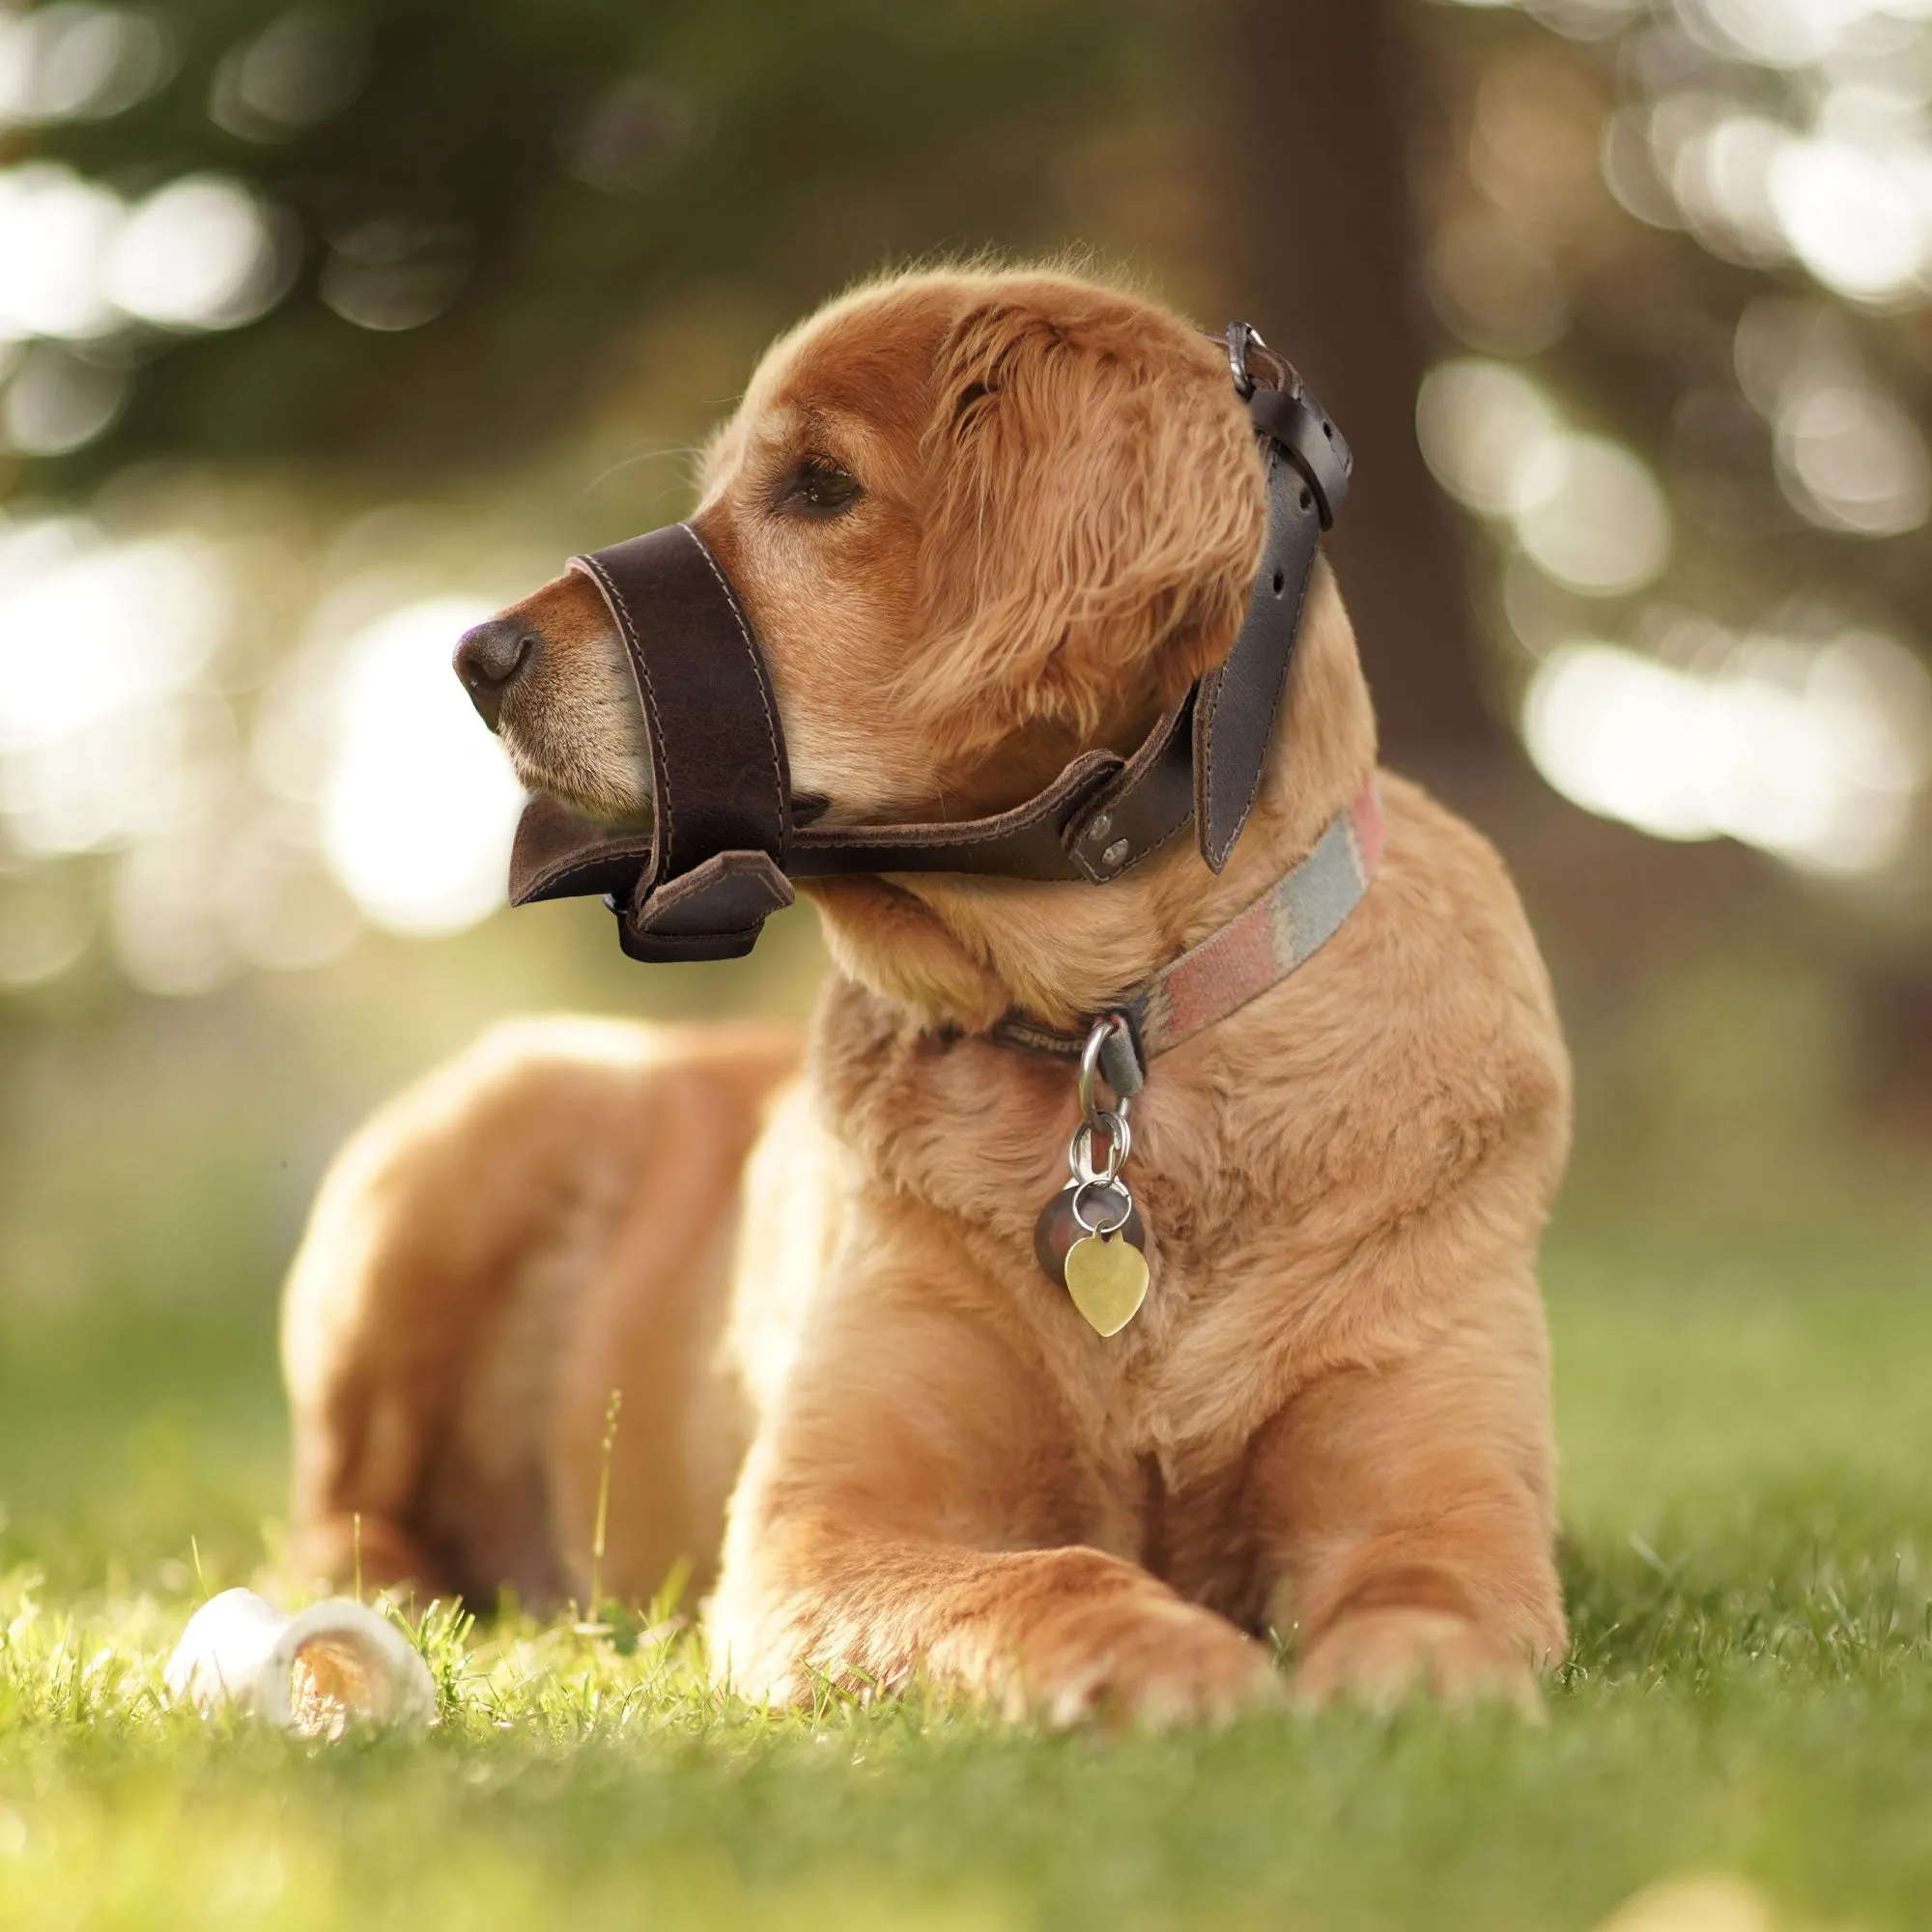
[1107, 1278]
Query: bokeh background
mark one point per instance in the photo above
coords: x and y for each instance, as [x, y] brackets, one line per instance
[326, 329]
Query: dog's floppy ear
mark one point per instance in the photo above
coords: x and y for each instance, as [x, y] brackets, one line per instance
[1100, 510]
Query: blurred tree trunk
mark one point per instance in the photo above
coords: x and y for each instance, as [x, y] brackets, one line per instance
[1310, 115]
[1310, 104]
[1311, 111]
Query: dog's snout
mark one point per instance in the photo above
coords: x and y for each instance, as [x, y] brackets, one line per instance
[490, 660]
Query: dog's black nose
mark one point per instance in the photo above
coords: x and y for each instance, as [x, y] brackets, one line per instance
[490, 660]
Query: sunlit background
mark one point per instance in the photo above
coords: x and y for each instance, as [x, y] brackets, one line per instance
[1677, 258]
[1720, 581]
[326, 328]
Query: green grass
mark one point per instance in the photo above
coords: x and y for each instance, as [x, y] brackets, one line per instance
[1747, 1468]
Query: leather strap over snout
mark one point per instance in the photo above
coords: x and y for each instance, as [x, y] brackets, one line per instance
[721, 833]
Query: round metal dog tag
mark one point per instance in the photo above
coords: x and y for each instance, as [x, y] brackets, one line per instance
[1058, 1228]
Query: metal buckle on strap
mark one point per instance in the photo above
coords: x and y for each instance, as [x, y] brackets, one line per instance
[1241, 337]
[1292, 419]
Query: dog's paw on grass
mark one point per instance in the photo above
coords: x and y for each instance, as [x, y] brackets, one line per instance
[1386, 1657]
[1159, 1665]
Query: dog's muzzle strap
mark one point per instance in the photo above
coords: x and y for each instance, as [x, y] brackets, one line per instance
[721, 832]
[728, 838]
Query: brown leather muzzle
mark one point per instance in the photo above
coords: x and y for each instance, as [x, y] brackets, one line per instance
[727, 837]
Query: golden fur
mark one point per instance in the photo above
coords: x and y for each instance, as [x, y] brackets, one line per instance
[1332, 1418]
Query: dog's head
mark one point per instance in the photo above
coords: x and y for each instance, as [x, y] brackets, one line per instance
[981, 522]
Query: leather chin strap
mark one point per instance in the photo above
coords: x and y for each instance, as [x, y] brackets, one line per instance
[728, 838]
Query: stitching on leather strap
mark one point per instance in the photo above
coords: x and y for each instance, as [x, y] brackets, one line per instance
[1153, 845]
[1211, 849]
[1065, 792]
[1122, 791]
[1208, 707]
[751, 651]
[910, 837]
[1219, 850]
[661, 765]
[1280, 690]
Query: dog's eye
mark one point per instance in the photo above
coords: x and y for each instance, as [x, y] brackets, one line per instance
[819, 488]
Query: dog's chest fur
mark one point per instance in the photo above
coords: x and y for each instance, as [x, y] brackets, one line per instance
[1311, 1168]
[1282, 1160]
[974, 1135]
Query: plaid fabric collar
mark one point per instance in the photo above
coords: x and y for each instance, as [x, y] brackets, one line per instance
[1257, 949]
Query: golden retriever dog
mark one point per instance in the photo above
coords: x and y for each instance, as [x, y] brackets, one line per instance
[983, 521]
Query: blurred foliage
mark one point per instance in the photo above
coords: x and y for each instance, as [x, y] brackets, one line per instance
[1684, 249]
[521, 183]
[1579, 221]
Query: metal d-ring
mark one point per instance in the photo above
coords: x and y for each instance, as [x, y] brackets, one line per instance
[1103, 1030]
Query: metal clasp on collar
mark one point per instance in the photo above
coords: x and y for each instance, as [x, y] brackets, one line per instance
[1094, 1118]
[1113, 1051]
[1110, 1053]
[1090, 1236]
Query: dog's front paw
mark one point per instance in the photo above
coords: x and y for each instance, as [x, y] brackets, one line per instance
[1156, 1664]
[1381, 1657]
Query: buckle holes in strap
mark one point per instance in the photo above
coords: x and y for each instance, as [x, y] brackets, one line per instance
[1280, 580]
